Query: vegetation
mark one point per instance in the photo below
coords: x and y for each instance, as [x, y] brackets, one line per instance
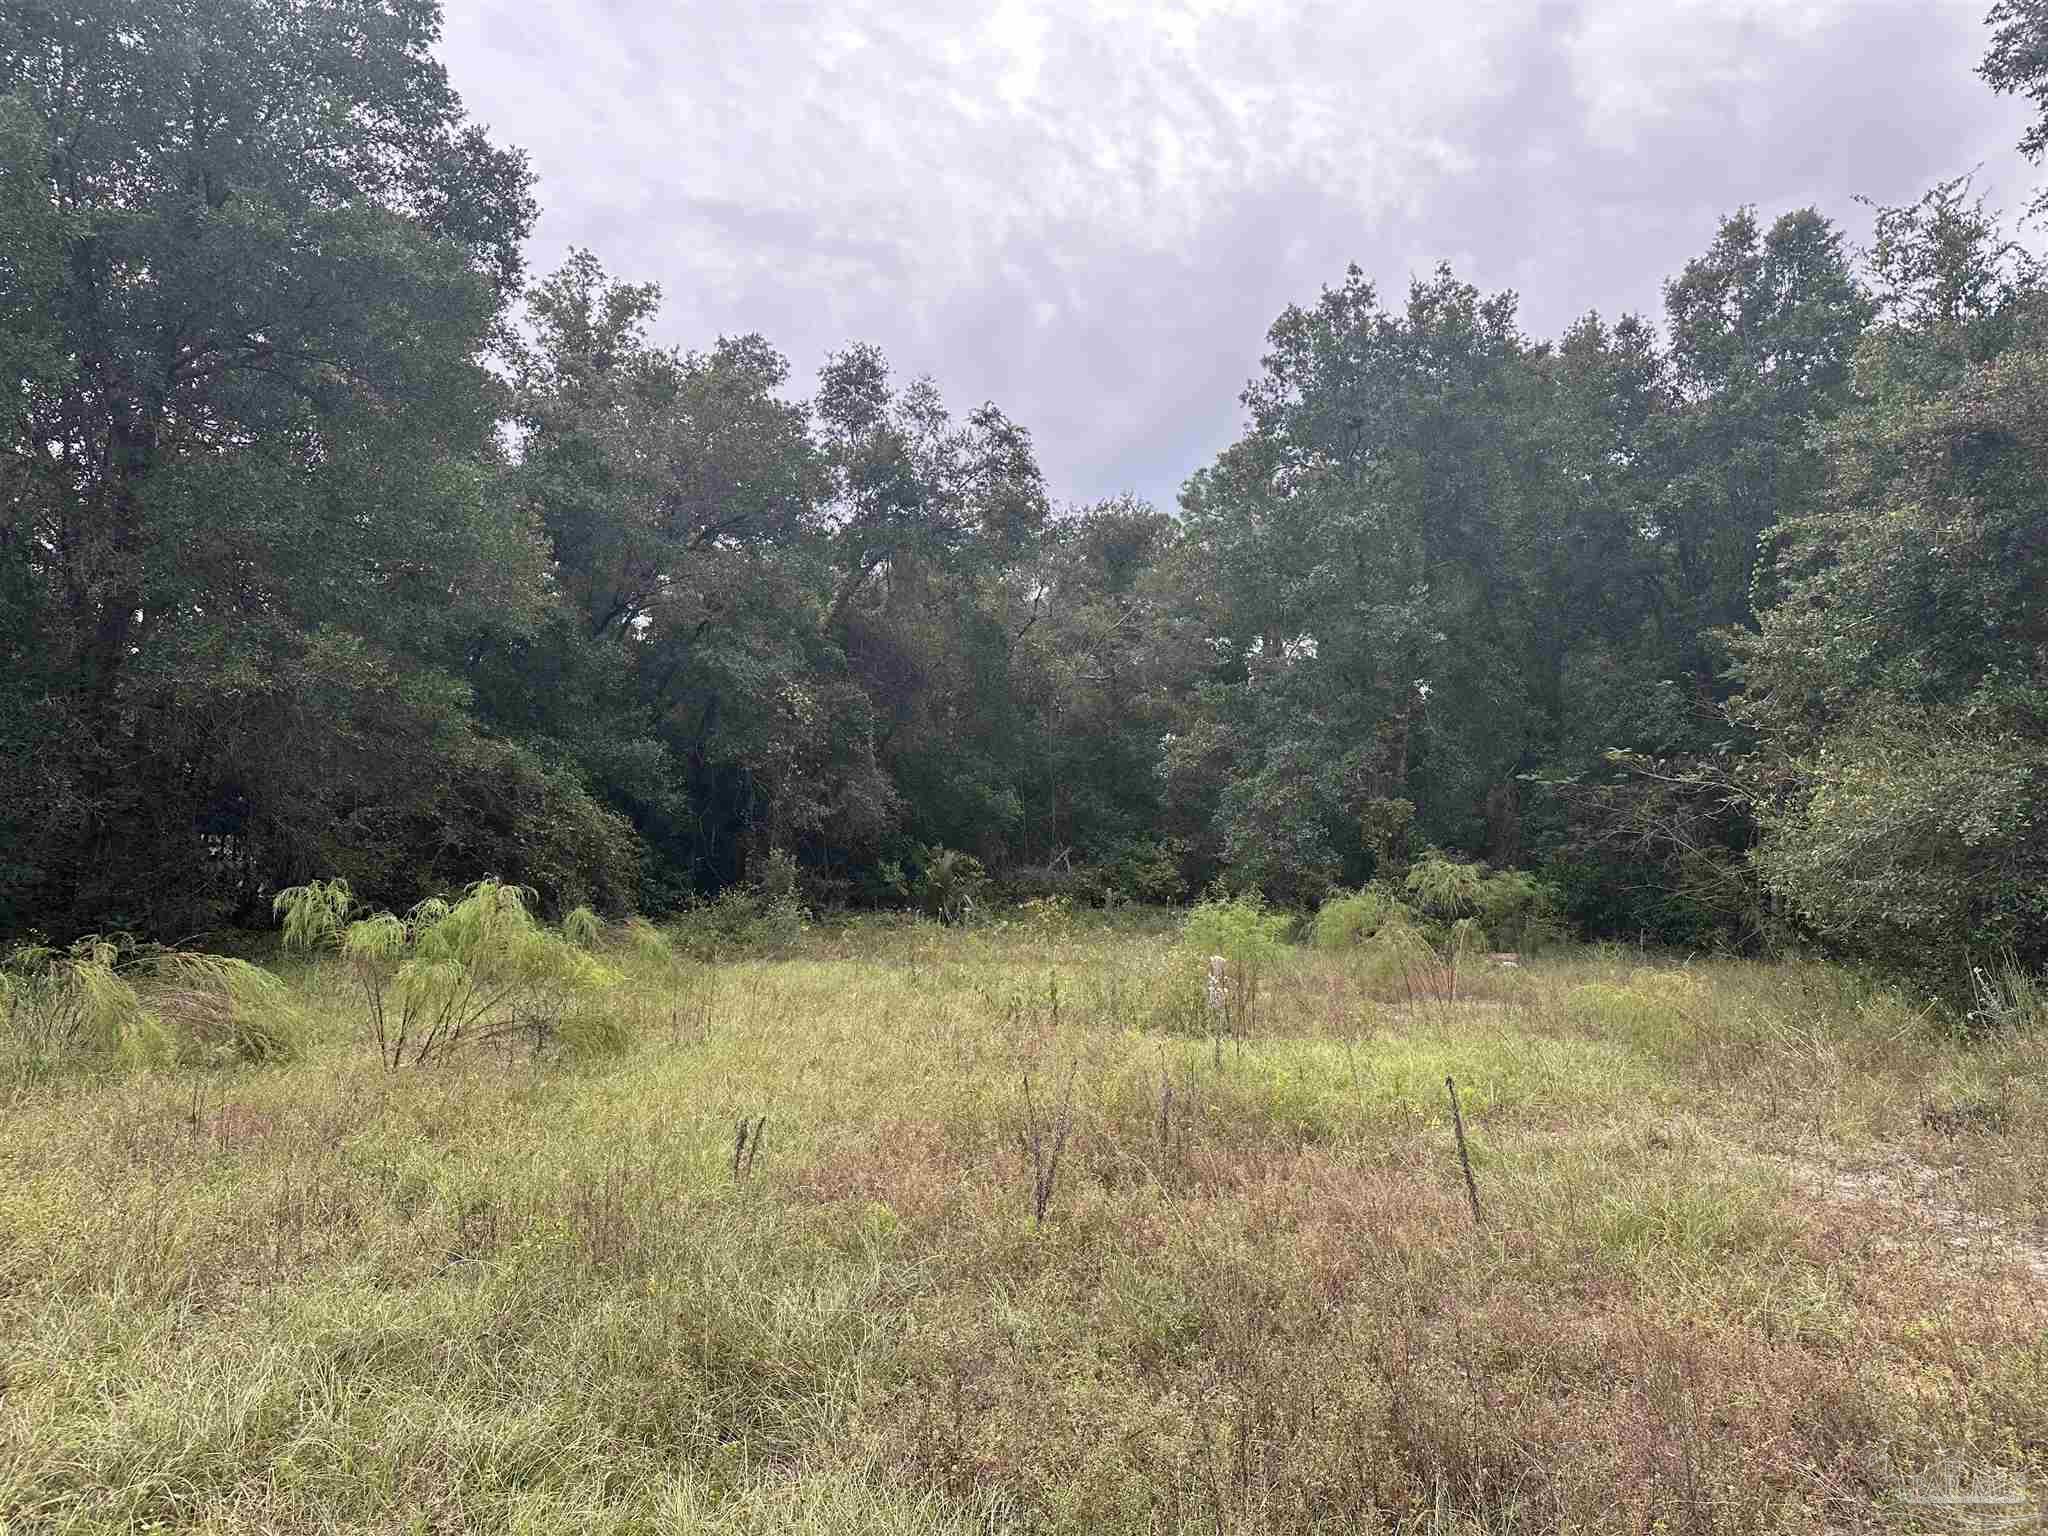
[449, 974]
[1762, 1244]
[109, 1001]
[724, 1068]
[1665, 626]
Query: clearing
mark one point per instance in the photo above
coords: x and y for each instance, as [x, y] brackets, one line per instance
[1760, 1246]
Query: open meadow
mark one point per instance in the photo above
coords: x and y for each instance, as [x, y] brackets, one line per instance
[760, 1250]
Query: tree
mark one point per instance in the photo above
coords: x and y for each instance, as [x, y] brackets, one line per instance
[1687, 458]
[258, 255]
[930, 521]
[2016, 64]
[1366, 555]
[682, 497]
[1898, 682]
[1105, 664]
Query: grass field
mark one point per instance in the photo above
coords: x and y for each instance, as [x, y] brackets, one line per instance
[1759, 1245]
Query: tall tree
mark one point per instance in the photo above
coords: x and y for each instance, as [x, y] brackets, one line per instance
[1763, 327]
[1898, 683]
[930, 519]
[246, 464]
[2016, 64]
[1368, 546]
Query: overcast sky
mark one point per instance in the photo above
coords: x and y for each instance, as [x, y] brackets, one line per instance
[1090, 213]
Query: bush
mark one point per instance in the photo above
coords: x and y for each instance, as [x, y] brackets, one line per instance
[73, 1006]
[447, 974]
[766, 914]
[736, 921]
[1441, 889]
[221, 1011]
[1022, 884]
[2005, 996]
[108, 1001]
[1251, 940]
[1349, 918]
[1519, 911]
[1511, 908]
[1145, 870]
[1046, 917]
[950, 883]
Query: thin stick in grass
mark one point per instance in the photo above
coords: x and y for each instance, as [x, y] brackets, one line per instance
[1464, 1157]
[1044, 1159]
[746, 1143]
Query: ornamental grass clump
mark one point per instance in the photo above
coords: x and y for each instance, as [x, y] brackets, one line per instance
[477, 970]
[108, 1001]
[72, 1006]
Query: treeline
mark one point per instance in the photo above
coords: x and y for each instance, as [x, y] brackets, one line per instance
[331, 545]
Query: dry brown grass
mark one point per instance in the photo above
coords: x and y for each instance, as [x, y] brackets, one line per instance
[1719, 1286]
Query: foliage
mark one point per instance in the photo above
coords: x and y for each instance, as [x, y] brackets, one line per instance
[261, 255]
[331, 547]
[739, 920]
[77, 1004]
[1443, 889]
[2006, 997]
[949, 883]
[221, 1010]
[447, 975]
[1509, 909]
[1898, 680]
[2016, 64]
[1250, 939]
[1349, 918]
[1519, 912]
[107, 1000]
[1147, 870]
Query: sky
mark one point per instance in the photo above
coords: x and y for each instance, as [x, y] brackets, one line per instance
[1090, 213]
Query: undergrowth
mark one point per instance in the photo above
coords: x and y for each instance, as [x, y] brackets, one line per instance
[1007, 1244]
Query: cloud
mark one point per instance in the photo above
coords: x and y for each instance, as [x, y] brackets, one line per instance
[1091, 212]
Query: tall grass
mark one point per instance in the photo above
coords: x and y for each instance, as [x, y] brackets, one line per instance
[107, 1002]
[475, 971]
[520, 1293]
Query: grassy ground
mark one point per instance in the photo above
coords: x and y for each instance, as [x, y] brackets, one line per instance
[1758, 1247]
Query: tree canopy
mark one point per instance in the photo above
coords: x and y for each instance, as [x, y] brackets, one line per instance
[333, 545]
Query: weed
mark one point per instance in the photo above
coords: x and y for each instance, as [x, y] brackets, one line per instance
[308, 1294]
[746, 1146]
[447, 974]
[1464, 1157]
[1042, 1144]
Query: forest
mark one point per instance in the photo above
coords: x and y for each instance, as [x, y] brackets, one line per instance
[334, 543]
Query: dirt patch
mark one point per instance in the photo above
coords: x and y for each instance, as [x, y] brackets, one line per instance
[1931, 1200]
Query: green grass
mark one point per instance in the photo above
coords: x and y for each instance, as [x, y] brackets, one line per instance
[500, 1294]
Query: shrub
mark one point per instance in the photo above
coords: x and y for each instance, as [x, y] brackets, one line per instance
[73, 1006]
[1443, 890]
[582, 927]
[950, 883]
[221, 1010]
[447, 974]
[1047, 917]
[107, 1000]
[2004, 995]
[1350, 918]
[1519, 911]
[1251, 941]
[765, 914]
[1146, 870]
[1512, 909]
[1421, 959]
[1023, 884]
